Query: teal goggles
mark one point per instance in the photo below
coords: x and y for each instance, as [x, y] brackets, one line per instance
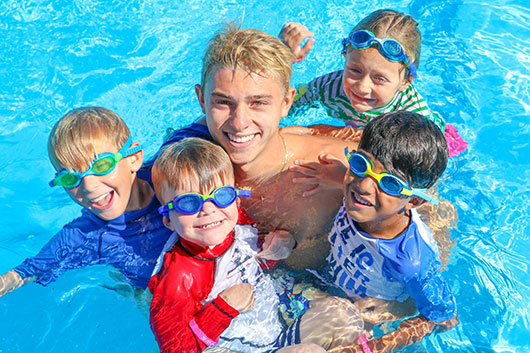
[392, 185]
[390, 48]
[192, 202]
[104, 164]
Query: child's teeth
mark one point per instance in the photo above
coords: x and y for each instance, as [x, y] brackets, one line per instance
[211, 225]
[99, 198]
[361, 201]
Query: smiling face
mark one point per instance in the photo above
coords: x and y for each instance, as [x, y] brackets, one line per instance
[107, 196]
[243, 111]
[377, 213]
[370, 80]
[208, 227]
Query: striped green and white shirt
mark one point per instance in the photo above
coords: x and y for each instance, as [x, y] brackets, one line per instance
[328, 91]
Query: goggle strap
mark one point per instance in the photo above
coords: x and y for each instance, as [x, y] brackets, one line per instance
[244, 193]
[423, 195]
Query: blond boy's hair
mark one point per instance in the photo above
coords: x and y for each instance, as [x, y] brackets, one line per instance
[248, 50]
[191, 159]
[75, 140]
[395, 25]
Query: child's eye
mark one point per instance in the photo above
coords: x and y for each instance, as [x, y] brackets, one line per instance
[380, 79]
[354, 70]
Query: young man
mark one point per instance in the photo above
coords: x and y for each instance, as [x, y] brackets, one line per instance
[244, 93]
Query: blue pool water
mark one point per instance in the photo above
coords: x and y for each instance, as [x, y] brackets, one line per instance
[142, 59]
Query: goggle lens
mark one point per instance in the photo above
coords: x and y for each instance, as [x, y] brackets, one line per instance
[224, 197]
[104, 165]
[391, 185]
[394, 49]
[68, 180]
[188, 204]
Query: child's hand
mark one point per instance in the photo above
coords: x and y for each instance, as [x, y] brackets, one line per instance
[326, 174]
[277, 245]
[240, 297]
[292, 35]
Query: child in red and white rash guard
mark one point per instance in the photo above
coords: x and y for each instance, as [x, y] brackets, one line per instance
[210, 289]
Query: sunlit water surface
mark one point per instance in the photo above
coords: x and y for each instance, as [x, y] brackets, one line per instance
[142, 60]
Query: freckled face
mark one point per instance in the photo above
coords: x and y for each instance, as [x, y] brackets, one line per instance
[370, 80]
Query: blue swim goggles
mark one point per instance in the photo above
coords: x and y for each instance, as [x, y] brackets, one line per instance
[192, 202]
[361, 166]
[104, 164]
[391, 49]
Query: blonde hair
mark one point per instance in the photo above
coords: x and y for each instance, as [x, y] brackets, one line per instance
[191, 159]
[395, 25]
[74, 139]
[248, 50]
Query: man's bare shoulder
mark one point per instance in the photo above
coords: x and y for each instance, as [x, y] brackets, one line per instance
[309, 147]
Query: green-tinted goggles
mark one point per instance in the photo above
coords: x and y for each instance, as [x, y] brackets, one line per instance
[104, 164]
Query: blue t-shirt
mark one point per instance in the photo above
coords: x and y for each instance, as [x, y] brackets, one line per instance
[390, 269]
[131, 243]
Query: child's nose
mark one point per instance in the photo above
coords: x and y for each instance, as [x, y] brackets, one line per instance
[208, 207]
[364, 84]
[89, 182]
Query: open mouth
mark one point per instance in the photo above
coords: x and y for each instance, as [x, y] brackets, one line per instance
[359, 200]
[102, 202]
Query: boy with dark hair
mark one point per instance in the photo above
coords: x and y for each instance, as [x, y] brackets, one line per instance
[380, 248]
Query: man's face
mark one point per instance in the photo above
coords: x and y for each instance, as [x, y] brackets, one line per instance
[243, 111]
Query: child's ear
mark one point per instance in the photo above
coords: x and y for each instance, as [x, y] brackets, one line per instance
[416, 201]
[136, 159]
[167, 223]
[406, 83]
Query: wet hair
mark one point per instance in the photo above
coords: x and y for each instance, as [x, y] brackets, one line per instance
[182, 163]
[75, 140]
[395, 25]
[248, 50]
[408, 145]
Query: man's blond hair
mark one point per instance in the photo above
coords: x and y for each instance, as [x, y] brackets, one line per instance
[248, 50]
[191, 160]
[75, 138]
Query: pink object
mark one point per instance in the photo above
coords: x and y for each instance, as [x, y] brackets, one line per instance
[201, 335]
[364, 344]
[455, 142]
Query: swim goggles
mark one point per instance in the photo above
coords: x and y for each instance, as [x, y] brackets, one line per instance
[361, 166]
[192, 202]
[104, 164]
[391, 49]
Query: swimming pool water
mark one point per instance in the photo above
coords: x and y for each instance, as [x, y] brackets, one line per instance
[142, 60]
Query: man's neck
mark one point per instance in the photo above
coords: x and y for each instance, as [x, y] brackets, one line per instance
[270, 162]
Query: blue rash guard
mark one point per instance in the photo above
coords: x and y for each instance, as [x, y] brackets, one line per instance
[390, 269]
[131, 243]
